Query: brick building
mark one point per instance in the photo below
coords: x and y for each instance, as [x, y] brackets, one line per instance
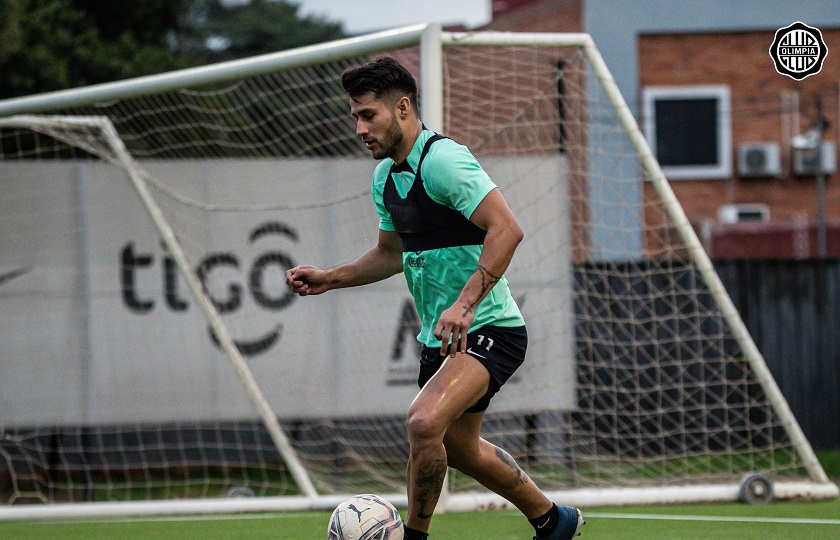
[758, 198]
[763, 203]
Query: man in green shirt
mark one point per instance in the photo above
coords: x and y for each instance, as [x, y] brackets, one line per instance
[446, 226]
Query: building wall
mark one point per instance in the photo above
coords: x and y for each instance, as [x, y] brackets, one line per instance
[537, 16]
[661, 42]
[766, 107]
[616, 24]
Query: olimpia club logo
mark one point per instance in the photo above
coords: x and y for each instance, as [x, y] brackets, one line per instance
[798, 51]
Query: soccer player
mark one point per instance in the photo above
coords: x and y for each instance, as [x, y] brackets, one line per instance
[436, 203]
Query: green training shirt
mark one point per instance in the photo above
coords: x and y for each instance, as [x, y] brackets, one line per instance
[453, 178]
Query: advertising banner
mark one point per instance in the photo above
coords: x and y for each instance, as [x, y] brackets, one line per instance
[99, 327]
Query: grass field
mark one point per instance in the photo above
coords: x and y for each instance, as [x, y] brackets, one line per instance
[781, 520]
[812, 521]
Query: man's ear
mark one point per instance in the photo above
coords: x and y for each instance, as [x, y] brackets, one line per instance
[403, 107]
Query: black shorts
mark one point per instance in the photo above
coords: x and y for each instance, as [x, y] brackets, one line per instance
[500, 350]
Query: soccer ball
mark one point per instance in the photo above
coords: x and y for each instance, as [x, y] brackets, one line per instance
[365, 517]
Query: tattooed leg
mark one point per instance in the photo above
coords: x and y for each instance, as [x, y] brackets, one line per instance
[507, 459]
[457, 385]
[491, 466]
[426, 483]
[426, 472]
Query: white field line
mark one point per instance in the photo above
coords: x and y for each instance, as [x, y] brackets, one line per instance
[209, 517]
[594, 515]
[734, 519]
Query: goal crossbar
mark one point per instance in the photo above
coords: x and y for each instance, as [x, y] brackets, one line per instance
[215, 73]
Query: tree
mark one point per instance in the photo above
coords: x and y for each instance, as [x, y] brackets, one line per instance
[56, 44]
[256, 27]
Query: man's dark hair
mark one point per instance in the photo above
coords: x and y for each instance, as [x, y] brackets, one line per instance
[385, 78]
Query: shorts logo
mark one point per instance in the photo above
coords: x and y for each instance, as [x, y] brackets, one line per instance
[473, 353]
[798, 51]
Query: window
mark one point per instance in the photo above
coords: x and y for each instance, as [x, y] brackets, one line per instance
[689, 130]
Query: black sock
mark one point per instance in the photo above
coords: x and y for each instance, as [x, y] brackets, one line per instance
[546, 523]
[414, 534]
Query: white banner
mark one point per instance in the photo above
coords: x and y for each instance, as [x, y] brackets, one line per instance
[97, 327]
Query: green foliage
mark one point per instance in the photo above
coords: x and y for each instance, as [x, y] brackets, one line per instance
[56, 44]
[50, 45]
[260, 26]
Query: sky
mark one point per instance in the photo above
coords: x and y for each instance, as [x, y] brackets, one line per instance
[362, 16]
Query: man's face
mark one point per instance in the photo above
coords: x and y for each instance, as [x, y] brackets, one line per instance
[376, 125]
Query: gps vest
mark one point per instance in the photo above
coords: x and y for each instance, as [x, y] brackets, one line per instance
[422, 223]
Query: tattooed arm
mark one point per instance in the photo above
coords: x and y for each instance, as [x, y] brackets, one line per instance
[503, 235]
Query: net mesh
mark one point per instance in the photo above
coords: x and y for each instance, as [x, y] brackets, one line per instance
[113, 388]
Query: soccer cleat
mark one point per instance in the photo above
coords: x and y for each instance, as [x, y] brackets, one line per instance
[571, 521]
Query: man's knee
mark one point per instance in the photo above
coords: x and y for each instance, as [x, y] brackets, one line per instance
[424, 425]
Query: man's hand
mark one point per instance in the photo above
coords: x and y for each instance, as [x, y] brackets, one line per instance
[454, 323]
[307, 280]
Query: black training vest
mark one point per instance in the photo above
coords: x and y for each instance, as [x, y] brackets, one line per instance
[422, 223]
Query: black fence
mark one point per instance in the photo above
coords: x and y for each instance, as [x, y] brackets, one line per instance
[792, 310]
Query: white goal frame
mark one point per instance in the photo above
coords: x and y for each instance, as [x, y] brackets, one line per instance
[25, 112]
[240, 367]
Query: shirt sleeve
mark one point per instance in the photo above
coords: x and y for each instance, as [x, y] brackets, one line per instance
[453, 177]
[380, 175]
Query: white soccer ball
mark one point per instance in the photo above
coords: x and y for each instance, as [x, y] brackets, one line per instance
[365, 517]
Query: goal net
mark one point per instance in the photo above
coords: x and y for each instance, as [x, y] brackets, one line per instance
[150, 349]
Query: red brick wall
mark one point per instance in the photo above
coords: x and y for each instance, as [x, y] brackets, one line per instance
[537, 16]
[795, 239]
[741, 60]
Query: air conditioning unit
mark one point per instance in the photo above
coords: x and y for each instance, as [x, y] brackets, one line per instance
[759, 160]
[738, 213]
[805, 160]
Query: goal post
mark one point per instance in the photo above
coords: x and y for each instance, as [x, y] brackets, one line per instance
[705, 267]
[98, 135]
[641, 385]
